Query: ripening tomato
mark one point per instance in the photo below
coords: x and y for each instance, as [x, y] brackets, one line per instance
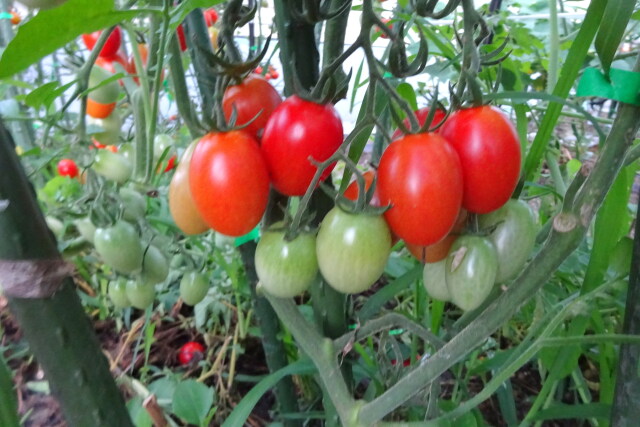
[229, 181]
[110, 48]
[421, 115]
[15, 18]
[190, 352]
[210, 16]
[253, 98]
[353, 191]
[109, 63]
[489, 151]
[99, 111]
[297, 131]
[67, 167]
[286, 268]
[181, 205]
[352, 250]
[438, 251]
[420, 176]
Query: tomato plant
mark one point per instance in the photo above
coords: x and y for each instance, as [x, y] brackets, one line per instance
[420, 176]
[352, 250]
[253, 98]
[513, 234]
[67, 167]
[193, 287]
[298, 131]
[112, 166]
[181, 205]
[421, 115]
[119, 247]
[470, 270]
[111, 46]
[489, 151]
[140, 294]
[190, 352]
[229, 181]
[286, 268]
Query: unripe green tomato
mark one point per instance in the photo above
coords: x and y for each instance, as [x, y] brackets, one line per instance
[141, 295]
[161, 142]
[128, 151]
[352, 250]
[118, 293]
[434, 280]
[155, 267]
[193, 287]
[119, 247]
[107, 93]
[470, 271]
[286, 269]
[135, 206]
[110, 125]
[112, 166]
[514, 236]
[86, 228]
[54, 224]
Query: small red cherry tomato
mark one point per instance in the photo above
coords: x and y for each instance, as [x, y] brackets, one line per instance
[110, 47]
[190, 351]
[67, 167]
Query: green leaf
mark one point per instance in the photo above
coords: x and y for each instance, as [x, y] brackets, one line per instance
[405, 90]
[52, 29]
[164, 389]
[568, 75]
[8, 403]
[192, 401]
[138, 414]
[561, 411]
[617, 16]
[242, 411]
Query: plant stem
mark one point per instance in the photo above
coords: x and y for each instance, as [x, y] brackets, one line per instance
[271, 343]
[183, 102]
[198, 39]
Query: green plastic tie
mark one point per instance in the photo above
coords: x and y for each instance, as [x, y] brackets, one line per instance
[5, 15]
[252, 235]
[621, 85]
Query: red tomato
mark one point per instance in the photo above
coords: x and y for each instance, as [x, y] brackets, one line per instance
[251, 97]
[181, 38]
[297, 131]
[15, 18]
[171, 163]
[67, 167]
[190, 350]
[110, 47]
[210, 16]
[421, 177]
[421, 115]
[489, 151]
[229, 181]
[108, 63]
[352, 190]
[98, 110]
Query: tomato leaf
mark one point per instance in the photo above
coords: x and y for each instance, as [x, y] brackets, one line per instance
[8, 404]
[616, 16]
[405, 90]
[192, 400]
[52, 29]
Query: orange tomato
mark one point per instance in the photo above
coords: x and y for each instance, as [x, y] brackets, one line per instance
[15, 18]
[98, 110]
[438, 251]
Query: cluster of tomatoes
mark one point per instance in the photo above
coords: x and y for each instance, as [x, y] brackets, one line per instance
[271, 72]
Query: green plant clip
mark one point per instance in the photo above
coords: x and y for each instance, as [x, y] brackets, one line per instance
[622, 85]
[5, 15]
[252, 235]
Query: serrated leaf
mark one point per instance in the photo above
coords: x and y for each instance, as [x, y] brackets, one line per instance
[51, 29]
[616, 16]
[192, 401]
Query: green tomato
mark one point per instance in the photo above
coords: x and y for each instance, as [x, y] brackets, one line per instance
[135, 205]
[118, 293]
[435, 281]
[86, 228]
[141, 295]
[194, 287]
[105, 94]
[119, 247]
[162, 142]
[112, 166]
[54, 224]
[470, 271]
[352, 250]
[286, 269]
[155, 267]
[514, 236]
[128, 151]
[110, 125]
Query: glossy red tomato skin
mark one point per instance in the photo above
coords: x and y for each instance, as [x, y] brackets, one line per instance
[253, 96]
[421, 115]
[110, 47]
[299, 130]
[181, 38]
[420, 176]
[188, 351]
[210, 16]
[67, 167]
[353, 191]
[489, 151]
[229, 181]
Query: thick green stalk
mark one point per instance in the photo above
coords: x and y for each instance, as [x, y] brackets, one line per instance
[183, 102]
[569, 229]
[271, 341]
[626, 411]
[57, 329]
[198, 39]
[334, 34]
